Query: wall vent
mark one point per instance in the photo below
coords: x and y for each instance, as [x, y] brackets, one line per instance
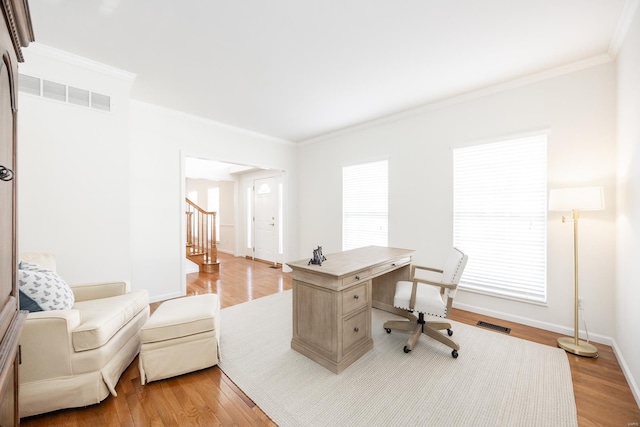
[53, 90]
[59, 92]
[28, 84]
[79, 96]
[100, 102]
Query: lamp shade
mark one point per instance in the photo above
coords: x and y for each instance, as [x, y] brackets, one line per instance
[581, 198]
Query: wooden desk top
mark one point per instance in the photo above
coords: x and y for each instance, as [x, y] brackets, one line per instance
[339, 264]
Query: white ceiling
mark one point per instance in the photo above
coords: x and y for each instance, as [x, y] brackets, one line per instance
[297, 69]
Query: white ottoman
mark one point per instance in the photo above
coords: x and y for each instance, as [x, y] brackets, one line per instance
[182, 335]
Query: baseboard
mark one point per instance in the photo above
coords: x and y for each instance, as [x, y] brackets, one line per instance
[602, 339]
[627, 372]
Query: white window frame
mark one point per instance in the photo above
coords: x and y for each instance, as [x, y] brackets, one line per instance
[500, 217]
[365, 204]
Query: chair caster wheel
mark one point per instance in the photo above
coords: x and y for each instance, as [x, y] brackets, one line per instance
[388, 330]
[449, 332]
[406, 349]
[454, 354]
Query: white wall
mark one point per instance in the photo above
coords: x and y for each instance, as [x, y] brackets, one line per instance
[73, 171]
[160, 139]
[627, 287]
[105, 192]
[577, 108]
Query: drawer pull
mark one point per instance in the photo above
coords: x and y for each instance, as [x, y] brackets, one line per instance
[356, 296]
[357, 277]
[393, 265]
[356, 329]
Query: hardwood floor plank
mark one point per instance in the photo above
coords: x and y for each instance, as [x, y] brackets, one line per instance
[210, 398]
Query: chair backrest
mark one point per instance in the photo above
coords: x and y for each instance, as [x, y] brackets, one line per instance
[454, 266]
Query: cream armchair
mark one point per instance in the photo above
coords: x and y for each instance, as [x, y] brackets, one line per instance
[74, 357]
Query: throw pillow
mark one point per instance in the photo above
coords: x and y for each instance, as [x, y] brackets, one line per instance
[45, 289]
[29, 266]
[28, 304]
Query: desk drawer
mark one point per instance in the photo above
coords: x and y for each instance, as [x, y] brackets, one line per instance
[356, 277]
[378, 269]
[354, 298]
[354, 330]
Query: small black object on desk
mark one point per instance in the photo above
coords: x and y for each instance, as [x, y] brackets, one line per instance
[317, 257]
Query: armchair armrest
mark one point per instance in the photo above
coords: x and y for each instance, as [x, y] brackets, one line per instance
[92, 291]
[46, 346]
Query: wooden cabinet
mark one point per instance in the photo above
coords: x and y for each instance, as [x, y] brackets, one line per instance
[332, 303]
[16, 32]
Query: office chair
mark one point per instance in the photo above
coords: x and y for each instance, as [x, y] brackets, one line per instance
[429, 292]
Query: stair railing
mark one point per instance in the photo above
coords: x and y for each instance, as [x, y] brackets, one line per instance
[201, 237]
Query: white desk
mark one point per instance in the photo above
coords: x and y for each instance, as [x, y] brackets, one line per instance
[332, 302]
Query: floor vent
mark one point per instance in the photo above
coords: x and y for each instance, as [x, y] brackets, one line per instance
[494, 327]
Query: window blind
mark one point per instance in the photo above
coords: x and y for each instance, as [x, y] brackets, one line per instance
[365, 190]
[500, 217]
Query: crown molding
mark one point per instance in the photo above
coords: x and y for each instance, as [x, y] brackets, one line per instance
[624, 23]
[79, 61]
[209, 122]
[468, 96]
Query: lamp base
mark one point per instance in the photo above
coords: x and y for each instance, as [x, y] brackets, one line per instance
[581, 349]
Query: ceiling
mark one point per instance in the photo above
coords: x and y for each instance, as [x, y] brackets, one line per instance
[298, 69]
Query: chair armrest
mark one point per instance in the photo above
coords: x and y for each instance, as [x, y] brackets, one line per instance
[46, 346]
[92, 291]
[448, 290]
[422, 267]
[440, 284]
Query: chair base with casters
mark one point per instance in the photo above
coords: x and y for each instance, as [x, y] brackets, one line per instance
[430, 291]
[418, 326]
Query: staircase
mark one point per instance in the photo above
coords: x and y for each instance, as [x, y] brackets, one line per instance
[201, 238]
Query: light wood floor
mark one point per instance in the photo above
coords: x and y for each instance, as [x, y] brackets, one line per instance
[209, 397]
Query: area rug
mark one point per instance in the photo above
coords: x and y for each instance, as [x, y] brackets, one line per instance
[497, 380]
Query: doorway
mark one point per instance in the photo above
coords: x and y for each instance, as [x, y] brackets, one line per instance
[264, 199]
[265, 234]
[250, 206]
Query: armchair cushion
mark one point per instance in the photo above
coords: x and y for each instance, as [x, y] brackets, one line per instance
[103, 318]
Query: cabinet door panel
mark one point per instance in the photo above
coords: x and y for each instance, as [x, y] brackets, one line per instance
[317, 317]
[7, 187]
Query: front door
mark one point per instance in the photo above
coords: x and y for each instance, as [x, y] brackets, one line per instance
[265, 219]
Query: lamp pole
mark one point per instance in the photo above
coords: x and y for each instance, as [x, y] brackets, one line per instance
[574, 345]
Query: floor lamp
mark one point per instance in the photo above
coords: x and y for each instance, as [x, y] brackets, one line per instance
[575, 200]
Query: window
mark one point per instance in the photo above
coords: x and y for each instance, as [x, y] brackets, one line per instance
[500, 217]
[365, 191]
